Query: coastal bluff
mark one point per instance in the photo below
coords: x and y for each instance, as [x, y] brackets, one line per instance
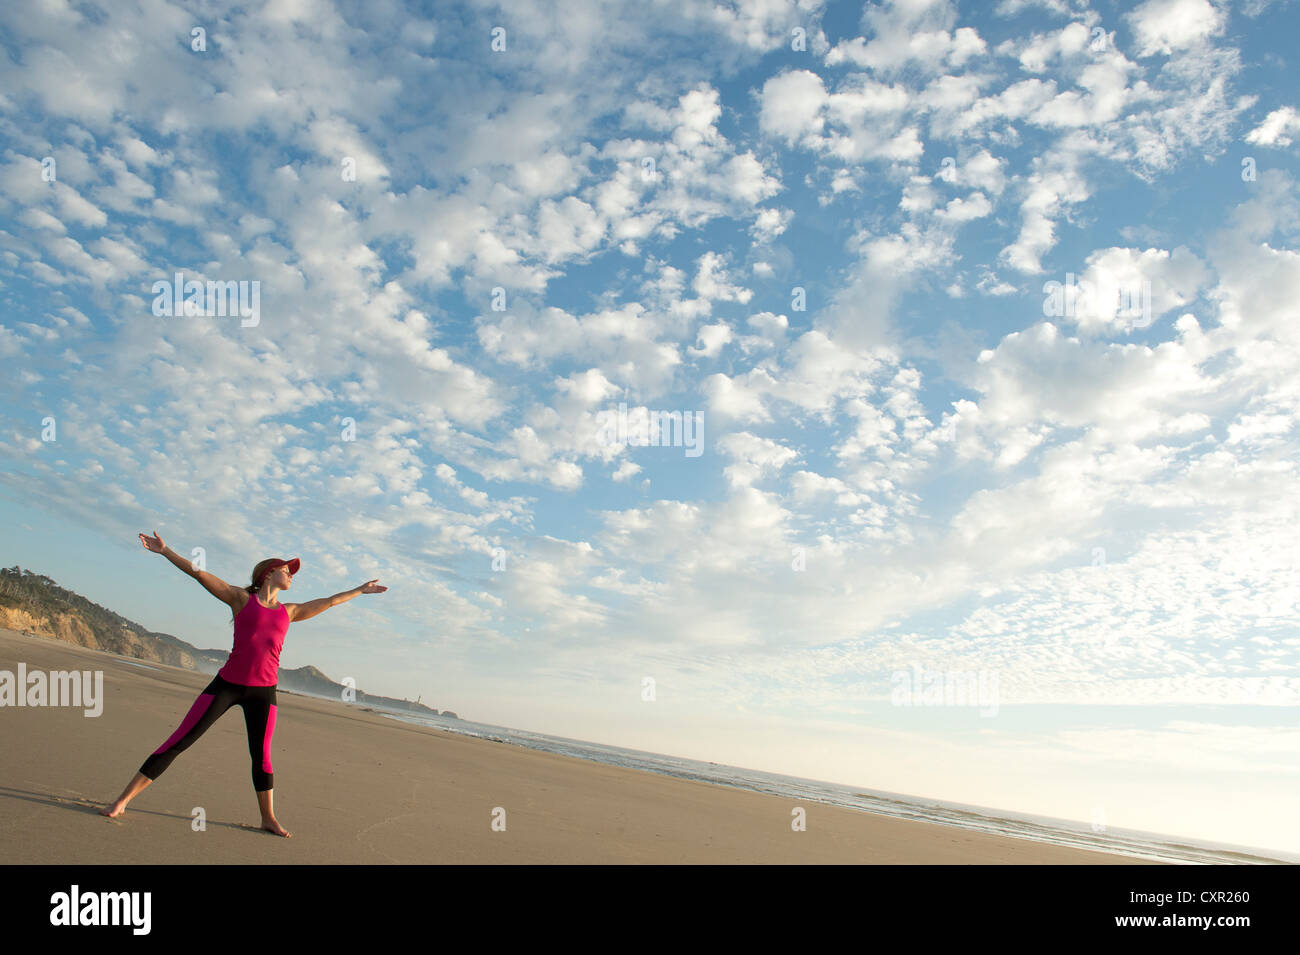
[35, 605]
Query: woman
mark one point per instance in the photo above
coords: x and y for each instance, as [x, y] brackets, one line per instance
[248, 679]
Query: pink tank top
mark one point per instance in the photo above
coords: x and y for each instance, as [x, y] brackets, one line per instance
[259, 635]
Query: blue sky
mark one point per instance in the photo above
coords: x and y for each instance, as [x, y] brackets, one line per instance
[827, 231]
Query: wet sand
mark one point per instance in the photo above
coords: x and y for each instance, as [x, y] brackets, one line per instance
[355, 787]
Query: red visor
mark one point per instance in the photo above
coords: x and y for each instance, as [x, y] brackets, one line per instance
[291, 564]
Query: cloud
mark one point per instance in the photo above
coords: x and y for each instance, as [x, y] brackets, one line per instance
[909, 34]
[791, 106]
[752, 457]
[1055, 184]
[1276, 128]
[1124, 289]
[841, 262]
[712, 338]
[1163, 26]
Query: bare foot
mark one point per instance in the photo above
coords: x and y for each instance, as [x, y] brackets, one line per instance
[270, 825]
[113, 811]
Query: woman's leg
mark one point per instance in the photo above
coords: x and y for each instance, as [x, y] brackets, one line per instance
[215, 699]
[259, 704]
[218, 697]
[268, 814]
[139, 782]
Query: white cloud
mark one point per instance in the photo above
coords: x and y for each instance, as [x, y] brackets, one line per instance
[1122, 289]
[630, 280]
[753, 457]
[792, 103]
[711, 281]
[1277, 127]
[1163, 26]
[711, 340]
[1054, 185]
[917, 34]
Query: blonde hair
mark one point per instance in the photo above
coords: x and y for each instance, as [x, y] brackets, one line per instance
[257, 571]
[254, 581]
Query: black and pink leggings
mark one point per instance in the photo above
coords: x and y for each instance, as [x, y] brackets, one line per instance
[220, 695]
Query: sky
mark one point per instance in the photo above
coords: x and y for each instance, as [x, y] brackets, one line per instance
[970, 330]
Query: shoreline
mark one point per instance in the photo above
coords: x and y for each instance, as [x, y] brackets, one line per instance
[358, 787]
[1153, 847]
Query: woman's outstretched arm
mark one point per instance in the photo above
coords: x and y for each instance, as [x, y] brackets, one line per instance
[311, 608]
[211, 582]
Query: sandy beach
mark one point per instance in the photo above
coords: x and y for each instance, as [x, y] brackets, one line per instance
[356, 787]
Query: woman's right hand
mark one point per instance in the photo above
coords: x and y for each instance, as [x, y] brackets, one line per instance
[154, 544]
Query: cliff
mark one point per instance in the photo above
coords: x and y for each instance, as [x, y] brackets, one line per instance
[33, 603]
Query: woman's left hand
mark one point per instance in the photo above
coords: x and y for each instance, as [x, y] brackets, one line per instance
[372, 587]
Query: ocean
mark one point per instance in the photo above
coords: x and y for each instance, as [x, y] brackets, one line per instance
[1062, 832]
